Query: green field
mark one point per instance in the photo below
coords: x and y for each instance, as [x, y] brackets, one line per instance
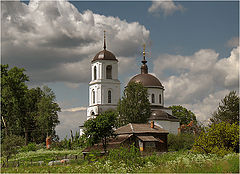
[171, 162]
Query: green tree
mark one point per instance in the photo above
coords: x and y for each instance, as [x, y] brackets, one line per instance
[100, 128]
[10, 145]
[183, 114]
[30, 113]
[219, 138]
[228, 109]
[47, 115]
[134, 107]
[13, 91]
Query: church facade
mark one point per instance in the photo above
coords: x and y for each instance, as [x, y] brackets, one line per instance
[104, 90]
[104, 87]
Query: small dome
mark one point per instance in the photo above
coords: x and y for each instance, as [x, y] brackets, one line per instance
[147, 80]
[104, 55]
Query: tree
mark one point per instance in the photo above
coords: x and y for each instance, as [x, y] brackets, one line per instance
[184, 115]
[134, 107]
[30, 113]
[47, 114]
[13, 91]
[100, 128]
[228, 109]
[219, 138]
[10, 145]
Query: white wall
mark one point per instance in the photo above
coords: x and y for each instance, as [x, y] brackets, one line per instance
[156, 92]
[171, 127]
[101, 86]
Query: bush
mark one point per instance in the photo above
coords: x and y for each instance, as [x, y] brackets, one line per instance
[130, 157]
[10, 145]
[220, 138]
[180, 142]
[29, 147]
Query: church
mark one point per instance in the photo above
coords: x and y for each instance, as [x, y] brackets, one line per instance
[104, 90]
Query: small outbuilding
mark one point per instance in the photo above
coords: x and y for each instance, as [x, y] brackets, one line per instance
[147, 137]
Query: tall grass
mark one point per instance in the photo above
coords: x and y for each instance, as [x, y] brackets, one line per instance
[125, 161]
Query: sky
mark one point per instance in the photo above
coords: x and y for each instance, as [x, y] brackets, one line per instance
[192, 47]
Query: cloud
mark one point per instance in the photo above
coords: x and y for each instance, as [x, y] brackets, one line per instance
[55, 42]
[75, 109]
[70, 121]
[197, 79]
[234, 42]
[165, 7]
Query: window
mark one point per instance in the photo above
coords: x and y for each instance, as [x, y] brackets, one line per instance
[153, 98]
[93, 95]
[95, 73]
[109, 96]
[109, 72]
[160, 98]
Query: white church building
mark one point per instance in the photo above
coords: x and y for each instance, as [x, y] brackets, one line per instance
[104, 90]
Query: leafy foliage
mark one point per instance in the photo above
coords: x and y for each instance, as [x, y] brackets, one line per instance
[220, 138]
[30, 113]
[13, 91]
[183, 114]
[100, 128]
[10, 145]
[134, 107]
[180, 142]
[75, 142]
[228, 109]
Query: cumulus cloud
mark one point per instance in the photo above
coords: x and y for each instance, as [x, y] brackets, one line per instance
[165, 7]
[234, 42]
[53, 41]
[198, 81]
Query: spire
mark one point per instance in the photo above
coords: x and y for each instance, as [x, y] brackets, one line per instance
[104, 44]
[144, 68]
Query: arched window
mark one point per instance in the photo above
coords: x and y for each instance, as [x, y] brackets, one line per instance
[160, 98]
[93, 96]
[109, 72]
[109, 96]
[95, 73]
[153, 98]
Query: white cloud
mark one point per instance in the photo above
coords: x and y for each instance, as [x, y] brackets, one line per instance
[205, 108]
[53, 41]
[199, 79]
[234, 42]
[165, 7]
[75, 109]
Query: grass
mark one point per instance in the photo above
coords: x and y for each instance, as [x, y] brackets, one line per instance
[172, 162]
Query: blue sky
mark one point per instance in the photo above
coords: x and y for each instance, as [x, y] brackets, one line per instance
[192, 48]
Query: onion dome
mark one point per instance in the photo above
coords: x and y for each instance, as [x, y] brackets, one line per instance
[147, 80]
[104, 54]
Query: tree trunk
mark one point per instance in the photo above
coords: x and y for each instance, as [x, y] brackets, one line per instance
[26, 136]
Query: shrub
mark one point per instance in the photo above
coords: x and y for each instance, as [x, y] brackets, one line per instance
[29, 147]
[10, 145]
[131, 157]
[220, 138]
[180, 142]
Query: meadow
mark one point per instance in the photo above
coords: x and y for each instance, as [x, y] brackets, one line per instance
[123, 161]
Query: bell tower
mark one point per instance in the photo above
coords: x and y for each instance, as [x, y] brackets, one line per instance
[104, 87]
